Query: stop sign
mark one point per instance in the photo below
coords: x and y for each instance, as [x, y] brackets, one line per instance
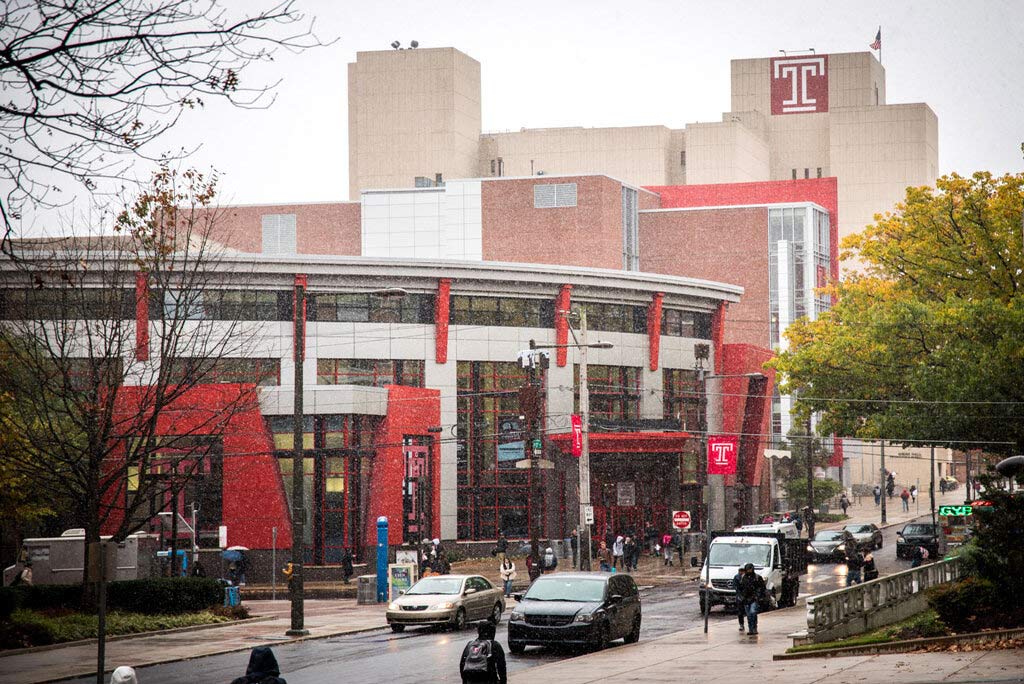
[681, 520]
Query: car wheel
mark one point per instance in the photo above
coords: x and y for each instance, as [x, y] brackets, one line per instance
[879, 544]
[459, 621]
[496, 614]
[603, 637]
[397, 628]
[516, 647]
[634, 633]
[702, 603]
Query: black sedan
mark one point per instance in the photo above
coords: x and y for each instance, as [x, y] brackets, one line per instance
[931, 537]
[829, 546]
[580, 609]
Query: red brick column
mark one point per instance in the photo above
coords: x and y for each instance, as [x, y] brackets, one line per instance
[562, 304]
[654, 328]
[441, 317]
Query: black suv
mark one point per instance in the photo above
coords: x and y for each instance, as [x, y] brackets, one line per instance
[586, 609]
[931, 537]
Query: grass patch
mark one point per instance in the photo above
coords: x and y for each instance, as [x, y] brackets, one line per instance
[27, 628]
[926, 624]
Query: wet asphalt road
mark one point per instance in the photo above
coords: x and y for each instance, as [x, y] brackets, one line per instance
[430, 655]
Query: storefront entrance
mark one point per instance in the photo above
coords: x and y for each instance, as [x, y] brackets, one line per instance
[631, 490]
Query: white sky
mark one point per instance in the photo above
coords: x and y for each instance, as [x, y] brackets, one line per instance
[600, 63]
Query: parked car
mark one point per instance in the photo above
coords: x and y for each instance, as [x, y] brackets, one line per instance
[829, 546]
[581, 609]
[931, 537]
[866, 535]
[451, 600]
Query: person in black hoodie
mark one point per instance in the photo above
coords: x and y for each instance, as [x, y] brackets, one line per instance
[483, 659]
[262, 668]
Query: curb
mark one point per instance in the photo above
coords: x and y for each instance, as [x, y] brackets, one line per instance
[310, 637]
[134, 635]
[902, 646]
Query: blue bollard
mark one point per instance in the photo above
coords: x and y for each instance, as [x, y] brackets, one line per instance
[382, 559]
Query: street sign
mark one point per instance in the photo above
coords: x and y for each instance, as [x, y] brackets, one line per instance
[537, 446]
[956, 510]
[722, 454]
[681, 520]
[542, 463]
[905, 454]
[588, 515]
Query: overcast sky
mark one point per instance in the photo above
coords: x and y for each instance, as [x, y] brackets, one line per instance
[598, 63]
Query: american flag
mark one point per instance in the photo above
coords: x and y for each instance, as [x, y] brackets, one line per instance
[877, 45]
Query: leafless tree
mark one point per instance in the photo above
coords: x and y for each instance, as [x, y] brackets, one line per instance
[86, 84]
[104, 419]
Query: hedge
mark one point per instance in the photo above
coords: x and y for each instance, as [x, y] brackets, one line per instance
[158, 596]
[27, 628]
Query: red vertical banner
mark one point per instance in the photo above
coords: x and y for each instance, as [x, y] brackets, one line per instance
[577, 435]
[722, 454]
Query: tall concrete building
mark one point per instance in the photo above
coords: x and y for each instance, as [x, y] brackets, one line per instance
[416, 114]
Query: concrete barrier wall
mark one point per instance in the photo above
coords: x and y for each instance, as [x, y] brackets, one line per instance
[864, 607]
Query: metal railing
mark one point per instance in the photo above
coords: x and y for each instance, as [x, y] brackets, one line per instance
[863, 607]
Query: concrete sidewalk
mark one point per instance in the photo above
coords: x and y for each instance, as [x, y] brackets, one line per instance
[867, 512]
[725, 655]
[322, 618]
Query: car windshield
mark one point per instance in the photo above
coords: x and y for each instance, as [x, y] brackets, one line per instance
[858, 529]
[828, 535]
[917, 529]
[555, 589]
[740, 554]
[436, 585]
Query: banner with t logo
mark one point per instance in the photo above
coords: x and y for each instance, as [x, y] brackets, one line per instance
[722, 454]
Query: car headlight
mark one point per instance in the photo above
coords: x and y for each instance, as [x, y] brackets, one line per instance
[584, 617]
[810, 549]
[841, 547]
[394, 606]
[899, 538]
[447, 605]
[515, 616]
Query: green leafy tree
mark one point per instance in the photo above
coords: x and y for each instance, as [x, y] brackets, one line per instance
[925, 345]
[824, 490]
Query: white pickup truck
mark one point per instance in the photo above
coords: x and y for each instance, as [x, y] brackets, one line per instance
[777, 558]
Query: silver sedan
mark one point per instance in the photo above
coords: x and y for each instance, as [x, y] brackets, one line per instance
[451, 600]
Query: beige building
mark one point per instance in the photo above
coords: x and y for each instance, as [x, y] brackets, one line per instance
[415, 114]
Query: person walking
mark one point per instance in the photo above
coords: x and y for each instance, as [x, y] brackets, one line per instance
[751, 591]
[741, 613]
[483, 658]
[651, 537]
[870, 569]
[124, 675]
[799, 522]
[629, 554]
[618, 548]
[919, 557]
[844, 503]
[942, 485]
[550, 560]
[666, 548]
[877, 491]
[533, 567]
[501, 548]
[574, 544]
[507, 570]
[854, 566]
[262, 669]
[905, 497]
[604, 557]
[346, 565]
[913, 493]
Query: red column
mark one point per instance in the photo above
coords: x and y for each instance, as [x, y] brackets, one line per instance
[141, 317]
[562, 304]
[718, 335]
[441, 316]
[654, 328]
[300, 354]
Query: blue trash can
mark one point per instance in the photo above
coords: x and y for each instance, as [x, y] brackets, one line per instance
[231, 597]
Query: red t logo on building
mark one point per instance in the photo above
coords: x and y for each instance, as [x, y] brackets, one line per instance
[799, 84]
[722, 455]
[577, 435]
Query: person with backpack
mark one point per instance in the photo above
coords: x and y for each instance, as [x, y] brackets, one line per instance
[854, 566]
[262, 669]
[870, 569]
[483, 659]
[124, 675]
[629, 554]
[905, 496]
[618, 552]
[751, 592]
[920, 556]
[844, 503]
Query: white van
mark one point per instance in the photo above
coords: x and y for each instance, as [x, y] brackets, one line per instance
[787, 529]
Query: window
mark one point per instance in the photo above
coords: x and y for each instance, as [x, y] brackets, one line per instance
[614, 391]
[492, 493]
[247, 305]
[819, 172]
[203, 371]
[368, 308]
[794, 174]
[678, 323]
[625, 318]
[807, 172]
[681, 397]
[682, 158]
[551, 195]
[502, 311]
[630, 230]
[279, 234]
[501, 167]
[63, 303]
[369, 372]
[494, 167]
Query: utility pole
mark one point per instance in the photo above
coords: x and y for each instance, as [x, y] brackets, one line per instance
[931, 486]
[529, 406]
[810, 477]
[174, 516]
[885, 492]
[584, 533]
[296, 591]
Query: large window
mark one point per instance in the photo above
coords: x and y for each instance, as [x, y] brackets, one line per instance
[54, 304]
[229, 305]
[369, 308]
[493, 494]
[682, 403]
[369, 372]
[614, 392]
[266, 372]
[502, 311]
[626, 318]
[679, 323]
